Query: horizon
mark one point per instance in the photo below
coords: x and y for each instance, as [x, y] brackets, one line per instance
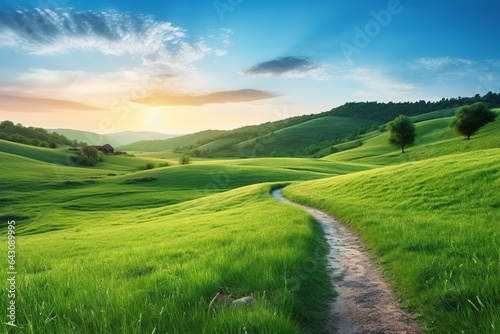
[174, 69]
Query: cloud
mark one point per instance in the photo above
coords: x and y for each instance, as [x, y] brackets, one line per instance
[46, 32]
[233, 96]
[493, 62]
[292, 67]
[101, 88]
[377, 85]
[30, 104]
[442, 62]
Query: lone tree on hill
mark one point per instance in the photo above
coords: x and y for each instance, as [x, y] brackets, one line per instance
[401, 132]
[468, 119]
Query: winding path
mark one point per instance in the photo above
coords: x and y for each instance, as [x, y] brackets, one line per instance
[365, 303]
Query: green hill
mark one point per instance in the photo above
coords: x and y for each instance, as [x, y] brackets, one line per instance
[432, 225]
[308, 135]
[434, 138]
[114, 139]
[170, 144]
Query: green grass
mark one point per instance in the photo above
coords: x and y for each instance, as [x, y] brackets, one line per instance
[170, 144]
[434, 139]
[433, 226]
[291, 140]
[294, 139]
[158, 270]
[443, 113]
[55, 156]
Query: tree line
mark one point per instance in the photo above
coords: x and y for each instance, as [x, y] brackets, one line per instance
[384, 112]
[34, 136]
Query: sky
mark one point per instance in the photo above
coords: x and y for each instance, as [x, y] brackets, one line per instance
[181, 66]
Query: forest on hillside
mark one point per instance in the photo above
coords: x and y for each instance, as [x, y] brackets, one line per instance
[33, 136]
[384, 112]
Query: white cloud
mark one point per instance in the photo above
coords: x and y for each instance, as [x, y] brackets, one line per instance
[493, 62]
[46, 32]
[442, 62]
[377, 85]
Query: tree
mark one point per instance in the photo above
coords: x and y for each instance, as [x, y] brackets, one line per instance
[89, 156]
[91, 153]
[401, 132]
[470, 118]
[185, 159]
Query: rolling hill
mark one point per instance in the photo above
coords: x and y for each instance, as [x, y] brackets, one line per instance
[309, 135]
[114, 139]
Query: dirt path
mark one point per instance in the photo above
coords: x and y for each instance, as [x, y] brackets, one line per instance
[365, 303]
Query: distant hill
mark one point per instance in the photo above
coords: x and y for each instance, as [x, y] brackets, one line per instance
[307, 135]
[114, 139]
[172, 143]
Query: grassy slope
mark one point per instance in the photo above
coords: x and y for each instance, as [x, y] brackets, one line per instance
[170, 144]
[434, 139]
[55, 156]
[294, 138]
[118, 185]
[432, 224]
[297, 137]
[157, 270]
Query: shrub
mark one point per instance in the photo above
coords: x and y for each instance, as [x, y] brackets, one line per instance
[185, 159]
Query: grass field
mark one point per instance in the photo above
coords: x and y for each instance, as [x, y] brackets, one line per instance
[158, 270]
[117, 248]
[433, 226]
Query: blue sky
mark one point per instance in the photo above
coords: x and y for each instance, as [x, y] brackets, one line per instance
[183, 66]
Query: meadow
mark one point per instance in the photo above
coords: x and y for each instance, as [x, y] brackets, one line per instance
[117, 248]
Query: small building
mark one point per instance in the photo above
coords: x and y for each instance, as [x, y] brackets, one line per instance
[106, 149]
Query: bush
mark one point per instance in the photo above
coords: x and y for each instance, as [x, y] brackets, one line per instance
[185, 159]
[89, 156]
[311, 149]
[150, 165]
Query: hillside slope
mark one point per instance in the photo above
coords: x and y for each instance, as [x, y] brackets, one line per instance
[308, 134]
[433, 225]
[434, 138]
[114, 139]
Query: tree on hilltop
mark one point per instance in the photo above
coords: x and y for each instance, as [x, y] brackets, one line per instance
[469, 119]
[402, 132]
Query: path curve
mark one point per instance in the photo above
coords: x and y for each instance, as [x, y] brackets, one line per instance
[365, 304]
